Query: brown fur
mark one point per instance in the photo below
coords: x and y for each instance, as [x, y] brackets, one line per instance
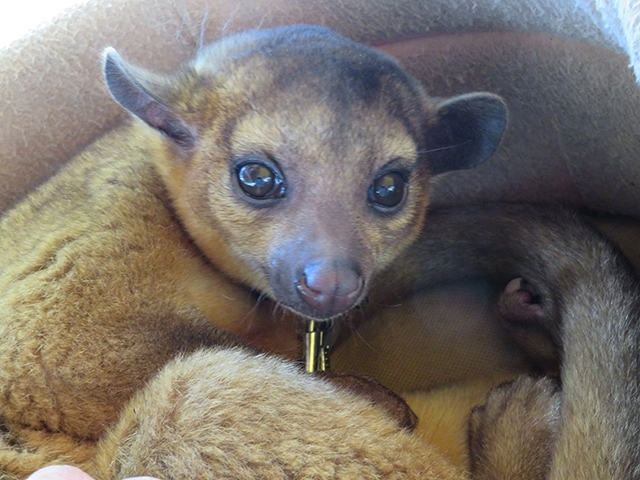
[588, 307]
[264, 420]
[527, 412]
[122, 273]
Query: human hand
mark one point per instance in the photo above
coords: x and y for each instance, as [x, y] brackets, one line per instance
[64, 472]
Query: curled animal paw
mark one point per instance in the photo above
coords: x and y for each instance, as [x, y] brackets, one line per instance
[513, 434]
[379, 395]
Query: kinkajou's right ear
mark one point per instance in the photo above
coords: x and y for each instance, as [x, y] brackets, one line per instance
[464, 131]
[141, 93]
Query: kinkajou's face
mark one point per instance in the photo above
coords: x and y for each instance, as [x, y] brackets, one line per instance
[306, 164]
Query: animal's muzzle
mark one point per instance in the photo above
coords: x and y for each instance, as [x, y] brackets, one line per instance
[329, 289]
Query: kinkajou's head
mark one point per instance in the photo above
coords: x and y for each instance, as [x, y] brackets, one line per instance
[298, 160]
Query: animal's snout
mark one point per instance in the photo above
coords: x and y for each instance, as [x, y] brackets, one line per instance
[329, 289]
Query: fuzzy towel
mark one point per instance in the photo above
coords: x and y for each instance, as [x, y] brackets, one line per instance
[562, 93]
[620, 20]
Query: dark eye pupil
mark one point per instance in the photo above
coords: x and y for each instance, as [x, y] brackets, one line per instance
[388, 190]
[256, 180]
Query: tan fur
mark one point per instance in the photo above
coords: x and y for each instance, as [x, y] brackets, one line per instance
[527, 413]
[264, 420]
[144, 250]
[122, 273]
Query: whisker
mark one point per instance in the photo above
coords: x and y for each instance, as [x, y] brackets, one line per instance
[261, 296]
[448, 147]
[203, 26]
[355, 331]
[227, 24]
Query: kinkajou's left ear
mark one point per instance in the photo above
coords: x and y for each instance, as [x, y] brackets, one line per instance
[464, 131]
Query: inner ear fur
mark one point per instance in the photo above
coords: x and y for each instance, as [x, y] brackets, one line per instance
[140, 92]
[465, 131]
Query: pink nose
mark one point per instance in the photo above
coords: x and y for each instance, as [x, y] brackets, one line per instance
[329, 289]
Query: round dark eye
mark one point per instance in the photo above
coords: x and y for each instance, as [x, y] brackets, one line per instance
[387, 191]
[259, 181]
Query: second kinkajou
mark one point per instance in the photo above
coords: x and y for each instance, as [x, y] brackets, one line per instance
[574, 308]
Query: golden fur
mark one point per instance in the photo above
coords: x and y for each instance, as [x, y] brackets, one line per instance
[125, 275]
[144, 249]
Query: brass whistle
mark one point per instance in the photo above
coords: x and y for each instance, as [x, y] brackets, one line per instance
[317, 346]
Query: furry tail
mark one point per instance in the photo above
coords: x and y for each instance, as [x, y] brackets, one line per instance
[227, 413]
[591, 307]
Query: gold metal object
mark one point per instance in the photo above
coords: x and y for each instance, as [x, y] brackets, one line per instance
[317, 346]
